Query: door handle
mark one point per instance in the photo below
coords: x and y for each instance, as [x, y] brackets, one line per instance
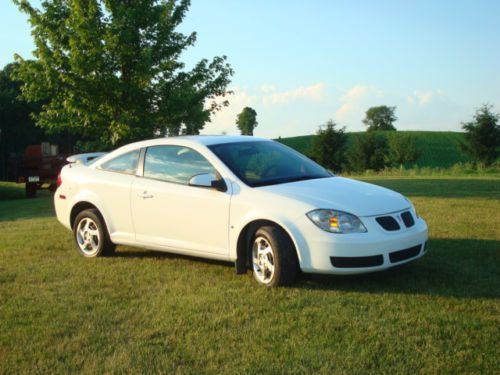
[145, 195]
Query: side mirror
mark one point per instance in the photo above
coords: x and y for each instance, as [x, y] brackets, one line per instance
[208, 180]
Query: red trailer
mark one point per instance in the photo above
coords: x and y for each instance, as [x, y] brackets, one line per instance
[39, 168]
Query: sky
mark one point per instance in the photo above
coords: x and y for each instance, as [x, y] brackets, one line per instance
[300, 63]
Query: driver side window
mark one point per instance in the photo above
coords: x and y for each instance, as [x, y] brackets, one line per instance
[175, 164]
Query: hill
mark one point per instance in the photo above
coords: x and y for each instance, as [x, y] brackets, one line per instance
[439, 149]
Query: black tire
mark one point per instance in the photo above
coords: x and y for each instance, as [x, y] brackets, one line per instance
[286, 264]
[104, 245]
[30, 189]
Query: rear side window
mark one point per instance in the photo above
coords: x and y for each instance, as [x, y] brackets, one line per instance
[126, 163]
[175, 164]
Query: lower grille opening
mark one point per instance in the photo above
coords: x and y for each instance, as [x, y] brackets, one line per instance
[357, 262]
[398, 256]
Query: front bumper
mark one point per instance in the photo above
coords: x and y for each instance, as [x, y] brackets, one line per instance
[375, 250]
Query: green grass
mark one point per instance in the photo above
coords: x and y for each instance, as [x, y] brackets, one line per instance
[439, 149]
[143, 311]
[10, 190]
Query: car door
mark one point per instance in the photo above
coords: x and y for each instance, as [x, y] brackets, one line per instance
[167, 212]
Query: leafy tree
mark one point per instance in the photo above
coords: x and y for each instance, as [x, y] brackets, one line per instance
[328, 146]
[368, 152]
[482, 136]
[247, 121]
[380, 118]
[403, 149]
[110, 70]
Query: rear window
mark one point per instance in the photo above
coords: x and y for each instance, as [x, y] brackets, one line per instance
[125, 163]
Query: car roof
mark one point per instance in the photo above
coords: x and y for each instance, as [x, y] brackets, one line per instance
[206, 140]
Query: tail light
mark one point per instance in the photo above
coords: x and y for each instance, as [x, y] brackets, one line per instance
[59, 180]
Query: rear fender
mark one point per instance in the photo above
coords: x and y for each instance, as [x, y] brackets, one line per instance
[92, 198]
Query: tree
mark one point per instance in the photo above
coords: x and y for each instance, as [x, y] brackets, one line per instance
[368, 152]
[110, 70]
[482, 136]
[403, 149]
[380, 118]
[247, 121]
[328, 146]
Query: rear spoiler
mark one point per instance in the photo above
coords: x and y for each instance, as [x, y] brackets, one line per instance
[85, 159]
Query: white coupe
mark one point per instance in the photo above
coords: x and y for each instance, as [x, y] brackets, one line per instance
[251, 201]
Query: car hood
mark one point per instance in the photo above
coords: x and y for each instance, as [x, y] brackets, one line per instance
[343, 194]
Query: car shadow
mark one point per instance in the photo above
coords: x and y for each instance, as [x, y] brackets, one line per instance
[131, 253]
[452, 268]
[461, 268]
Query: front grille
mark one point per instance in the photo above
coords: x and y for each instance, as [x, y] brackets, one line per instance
[407, 219]
[398, 256]
[357, 262]
[388, 223]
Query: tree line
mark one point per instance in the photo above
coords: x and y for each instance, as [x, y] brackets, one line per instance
[374, 151]
[370, 151]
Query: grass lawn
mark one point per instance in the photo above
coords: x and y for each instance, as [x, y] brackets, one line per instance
[10, 190]
[144, 311]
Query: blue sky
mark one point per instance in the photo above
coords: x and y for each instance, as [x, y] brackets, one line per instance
[300, 63]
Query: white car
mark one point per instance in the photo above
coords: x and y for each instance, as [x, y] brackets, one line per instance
[251, 201]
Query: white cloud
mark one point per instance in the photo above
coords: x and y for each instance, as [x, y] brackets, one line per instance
[225, 119]
[313, 92]
[354, 100]
[265, 88]
[423, 97]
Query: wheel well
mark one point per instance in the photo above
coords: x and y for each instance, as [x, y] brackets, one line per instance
[243, 253]
[77, 208]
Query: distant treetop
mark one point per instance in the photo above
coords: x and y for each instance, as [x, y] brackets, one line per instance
[247, 121]
[380, 118]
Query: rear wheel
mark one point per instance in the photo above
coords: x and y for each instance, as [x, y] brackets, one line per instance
[91, 236]
[274, 260]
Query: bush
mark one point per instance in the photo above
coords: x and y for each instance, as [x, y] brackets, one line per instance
[482, 136]
[403, 150]
[369, 151]
[328, 147]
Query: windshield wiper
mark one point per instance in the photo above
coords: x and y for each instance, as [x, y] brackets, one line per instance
[285, 180]
[302, 178]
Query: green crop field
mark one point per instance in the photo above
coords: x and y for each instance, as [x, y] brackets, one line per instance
[149, 312]
[438, 149]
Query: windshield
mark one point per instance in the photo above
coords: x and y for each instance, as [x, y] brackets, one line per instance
[264, 163]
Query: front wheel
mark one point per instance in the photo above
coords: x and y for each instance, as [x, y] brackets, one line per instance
[274, 259]
[91, 235]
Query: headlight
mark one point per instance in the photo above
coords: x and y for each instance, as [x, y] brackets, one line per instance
[336, 221]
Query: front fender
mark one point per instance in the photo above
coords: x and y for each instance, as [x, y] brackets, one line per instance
[284, 222]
